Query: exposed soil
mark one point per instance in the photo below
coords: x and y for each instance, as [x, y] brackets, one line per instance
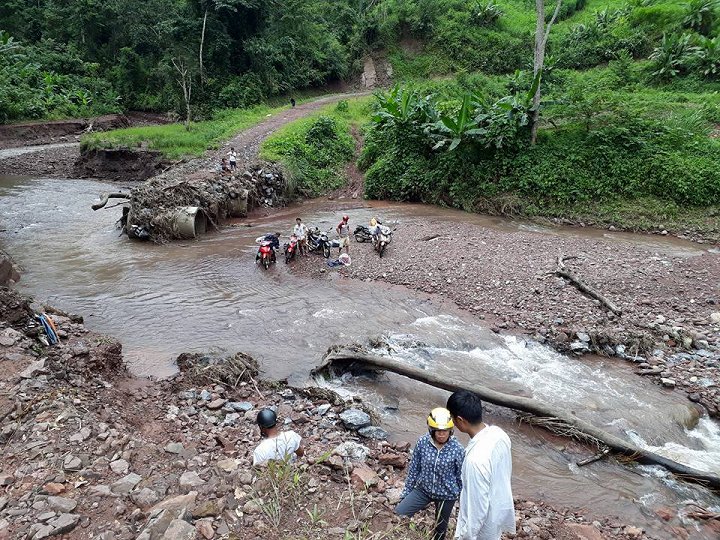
[670, 300]
[89, 452]
[64, 161]
[120, 165]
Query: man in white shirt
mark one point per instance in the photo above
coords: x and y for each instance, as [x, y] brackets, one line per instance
[277, 446]
[486, 502]
[301, 231]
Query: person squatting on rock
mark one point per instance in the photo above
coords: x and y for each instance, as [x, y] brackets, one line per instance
[277, 446]
[486, 502]
[434, 472]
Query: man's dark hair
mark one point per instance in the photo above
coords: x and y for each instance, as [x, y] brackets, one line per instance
[466, 404]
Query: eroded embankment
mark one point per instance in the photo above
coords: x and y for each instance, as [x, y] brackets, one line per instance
[90, 452]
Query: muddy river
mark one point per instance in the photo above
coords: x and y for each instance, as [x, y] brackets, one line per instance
[191, 296]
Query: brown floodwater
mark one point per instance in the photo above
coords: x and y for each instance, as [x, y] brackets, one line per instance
[161, 300]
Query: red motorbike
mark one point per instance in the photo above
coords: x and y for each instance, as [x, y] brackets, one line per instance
[266, 254]
[291, 248]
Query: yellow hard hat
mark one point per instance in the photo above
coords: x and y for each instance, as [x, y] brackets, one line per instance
[440, 418]
[373, 222]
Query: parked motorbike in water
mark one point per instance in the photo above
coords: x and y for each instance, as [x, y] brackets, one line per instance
[382, 239]
[291, 248]
[265, 254]
[362, 234]
[318, 241]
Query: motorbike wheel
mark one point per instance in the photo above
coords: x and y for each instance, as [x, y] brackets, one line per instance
[266, 262]
[360, 238]
[326, 251]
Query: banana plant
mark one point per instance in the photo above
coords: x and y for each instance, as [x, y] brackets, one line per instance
[451, 129]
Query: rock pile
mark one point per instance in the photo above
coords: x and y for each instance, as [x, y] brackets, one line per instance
[153, 208]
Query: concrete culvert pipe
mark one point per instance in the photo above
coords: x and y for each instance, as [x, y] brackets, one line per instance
[189, 222]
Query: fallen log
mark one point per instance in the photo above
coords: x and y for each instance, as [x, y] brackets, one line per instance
[106, 197]
[345, 359]
[583, 287]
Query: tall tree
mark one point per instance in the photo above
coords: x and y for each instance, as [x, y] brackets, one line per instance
[542, 31]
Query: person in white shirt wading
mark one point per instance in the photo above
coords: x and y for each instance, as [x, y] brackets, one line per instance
[486, 502]
[277, 446]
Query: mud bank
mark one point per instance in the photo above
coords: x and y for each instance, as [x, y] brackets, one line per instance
[90, 452]
[669, 294]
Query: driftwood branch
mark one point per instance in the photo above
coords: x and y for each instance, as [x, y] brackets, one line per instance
[346, 359]
[594, 458]
[106, 197]
[583, 287]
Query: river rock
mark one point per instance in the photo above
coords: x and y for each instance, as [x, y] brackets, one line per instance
[323, 409]
[62, 504]
[240, 406]
[216, 404]
[126, 484]
[352, 451]
[584, 531]
[174, 448]
[228, 465]
[179, 530]
[119, 466]
[189, 480]
[6, 479]
[355, 419]
[144, 498]
[72, 463]
[667, 382]
[715, 317]
[396, 460]
[64, 523]
[373, 432]
[363, 477]
[204, 528]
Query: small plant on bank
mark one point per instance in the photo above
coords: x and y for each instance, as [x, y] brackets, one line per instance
[672, 56]
[278, 490]
[700, 15]
[486, 13]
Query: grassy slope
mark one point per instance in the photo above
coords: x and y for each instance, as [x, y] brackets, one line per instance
[314, 171]
[174, 141]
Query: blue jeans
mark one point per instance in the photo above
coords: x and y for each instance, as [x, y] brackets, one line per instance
[418, 500]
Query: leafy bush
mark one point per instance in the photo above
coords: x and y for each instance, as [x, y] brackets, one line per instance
[700, 15]
[314, 151]
[607, 146]
[673, 56]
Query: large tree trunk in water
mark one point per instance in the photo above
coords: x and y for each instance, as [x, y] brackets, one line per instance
[541, 36]
[345, 359]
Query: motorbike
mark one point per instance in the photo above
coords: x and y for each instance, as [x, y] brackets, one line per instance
[318, 241]
[362, 233]
[291, 248]
[382, 239]
[266, 254]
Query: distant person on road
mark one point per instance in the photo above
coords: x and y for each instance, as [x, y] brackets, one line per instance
[486, 502]
[301, 232]
[434, 472]
[292, 102]
[343, 230]
[233, 158]
[277, 445]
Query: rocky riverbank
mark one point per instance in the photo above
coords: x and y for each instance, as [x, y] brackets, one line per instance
[669, 294]
[90, 452]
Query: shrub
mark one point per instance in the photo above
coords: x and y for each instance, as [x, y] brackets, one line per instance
[486, 13]
[673, 56]
[700, 15]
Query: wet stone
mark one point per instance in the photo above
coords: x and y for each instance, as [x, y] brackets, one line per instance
[62, 504]
[355, 419]
[373, 432]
